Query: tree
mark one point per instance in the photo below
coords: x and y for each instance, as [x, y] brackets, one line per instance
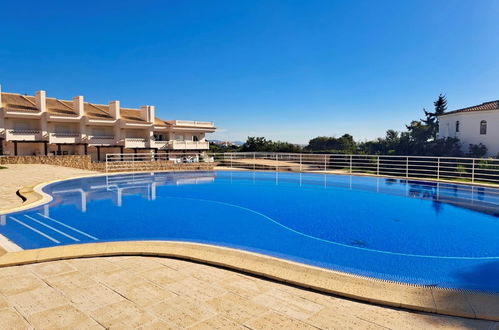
[343, 144]
[256, 144]
[477, 150]
[432, 117]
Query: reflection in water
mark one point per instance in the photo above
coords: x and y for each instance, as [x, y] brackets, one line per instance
[114, 187]
[117, 186]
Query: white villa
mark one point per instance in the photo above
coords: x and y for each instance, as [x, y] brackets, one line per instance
[41, 125]
[473, 125]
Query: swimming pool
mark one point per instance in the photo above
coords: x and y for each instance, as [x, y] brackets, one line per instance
[436, 234]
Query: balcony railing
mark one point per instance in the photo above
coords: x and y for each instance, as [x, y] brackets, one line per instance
[209, 124]
[101, 139]
[136, 142]
[66, 137]
[24, 135]
[188, 145]
[160, 144]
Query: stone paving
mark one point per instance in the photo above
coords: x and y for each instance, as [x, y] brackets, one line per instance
[17, 176]
[163, 293]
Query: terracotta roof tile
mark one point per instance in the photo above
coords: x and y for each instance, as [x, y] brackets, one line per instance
[18, 102]
[60, 108]
[160, 122]
[132, 115]
[97, 111]
[492, 105]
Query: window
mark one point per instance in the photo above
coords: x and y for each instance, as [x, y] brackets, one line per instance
[98, 131]
[62, 129]
[179, 137]
[195, 138]
[457, 126]
[21, 125]
[483, 127]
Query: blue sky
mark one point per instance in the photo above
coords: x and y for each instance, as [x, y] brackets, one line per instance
[287, 70]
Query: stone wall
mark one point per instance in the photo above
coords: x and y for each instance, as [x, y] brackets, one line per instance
[159, 166]
[84, 162]
[76, 161]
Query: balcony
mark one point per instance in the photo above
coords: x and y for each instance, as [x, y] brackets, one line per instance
[188, 145]
[66, 138]
[98, 140]
[191, 123]
[160, 144]
[136, 142]
[24, 135]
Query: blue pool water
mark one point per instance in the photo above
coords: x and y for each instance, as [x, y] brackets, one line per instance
[417, 232]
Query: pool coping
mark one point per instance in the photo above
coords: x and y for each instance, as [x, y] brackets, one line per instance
[469, 304]
[453, 302]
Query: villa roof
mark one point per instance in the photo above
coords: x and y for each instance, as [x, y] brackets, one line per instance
[131, 115]
[25, 103]
[160, 122]
[486, 106]
[18, 102]
[60, 107]
[97, 111]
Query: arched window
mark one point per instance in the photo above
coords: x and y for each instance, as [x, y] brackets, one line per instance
[457, 126]
[483, 127]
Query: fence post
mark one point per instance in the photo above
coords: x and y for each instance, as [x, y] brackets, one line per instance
[277, 162]
[351, 164]
[377, 167]
[438, 168]
[325, 163]
[230, 160]
[300, 162]
[407, 167]
[473, 171]
[254, 161]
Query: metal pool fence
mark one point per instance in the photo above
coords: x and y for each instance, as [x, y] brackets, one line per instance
[475, 170]
[148, 161]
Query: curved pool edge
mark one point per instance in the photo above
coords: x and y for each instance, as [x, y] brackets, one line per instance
[469, 304]
[37, 197]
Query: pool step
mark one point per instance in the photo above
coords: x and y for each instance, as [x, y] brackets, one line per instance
[69, 227]
[51, 229]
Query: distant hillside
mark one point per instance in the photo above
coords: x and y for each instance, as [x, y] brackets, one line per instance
[237, 143]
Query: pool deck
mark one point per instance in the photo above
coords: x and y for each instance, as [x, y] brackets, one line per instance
[163, 293]
[25, 176]
[336, 313]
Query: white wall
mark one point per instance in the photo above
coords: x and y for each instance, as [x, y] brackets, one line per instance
[469, 129]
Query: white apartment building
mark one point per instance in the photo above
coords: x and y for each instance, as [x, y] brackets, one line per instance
[41, 125]
[473, 125]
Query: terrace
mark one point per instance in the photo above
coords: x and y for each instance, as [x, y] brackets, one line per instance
[18, 134]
